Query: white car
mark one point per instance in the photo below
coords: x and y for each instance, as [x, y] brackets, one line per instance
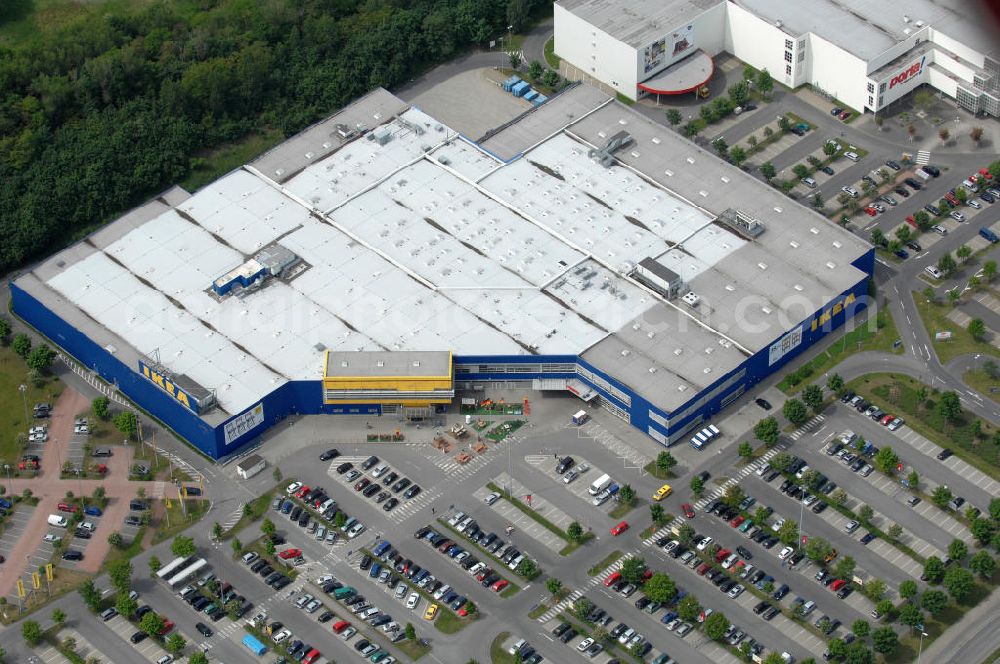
[571, 475]
[412, 601]
[442, 591]
[51, 539]
[704, 544]
[323, 579]
[735, 591]
[492, 498]
[88, 525]
[38, 437]
[851, 527]
[380, 470]
[348, 633]
[477, 568]
[355, 530]
[401, 590]
[81, 429]
[293, 487]
[974, 204]
[586, 643]
[785, 553]
[282, 635]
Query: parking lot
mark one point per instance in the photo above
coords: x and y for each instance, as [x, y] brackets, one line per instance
[521, 522]
[580, 476]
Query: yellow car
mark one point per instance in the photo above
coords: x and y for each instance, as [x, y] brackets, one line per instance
[662, 492]
[431, 611]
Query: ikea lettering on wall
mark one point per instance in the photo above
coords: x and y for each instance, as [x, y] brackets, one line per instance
[828, 314]
[909, 73]
[165, 384]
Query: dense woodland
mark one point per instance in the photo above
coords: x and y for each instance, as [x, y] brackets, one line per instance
[114, 105]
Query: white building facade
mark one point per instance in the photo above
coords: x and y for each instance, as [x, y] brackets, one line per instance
[865, 54]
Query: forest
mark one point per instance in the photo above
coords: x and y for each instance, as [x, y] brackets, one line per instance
[112, 107]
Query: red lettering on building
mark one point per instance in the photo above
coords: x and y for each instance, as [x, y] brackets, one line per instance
[910, 71]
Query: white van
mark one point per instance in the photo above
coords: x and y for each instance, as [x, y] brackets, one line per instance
[809, 182]
[853, 156]
[933, 271]
[600, 484]
[58, 521]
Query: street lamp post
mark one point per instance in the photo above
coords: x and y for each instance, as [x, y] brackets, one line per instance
[10, 485]
[920, 650]
[24, 399]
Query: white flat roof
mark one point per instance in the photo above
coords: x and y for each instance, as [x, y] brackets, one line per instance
[426, 243]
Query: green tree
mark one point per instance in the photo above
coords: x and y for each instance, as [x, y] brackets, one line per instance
[800, 170]
[959, 582]
[674, 117]
[21, 345]
[739, 93]
[176, 644]
[885, 640]
[198, 657]
[933, 601]
[745, 450]
[237, 546]
[947, 264]
[527, 568]
[957, 550]
[410, 631]
[963, 252]
[788, 532]
[182, 546]
[989, 270]
[665, 461]
[58, 616]
[267, 527]
[795, 412]
[340, 519]
[100, 408]
[767, 169]
[817, 549]
[697, 486]
[535, 70]
[886, 460]
[812, 395]
[685, 534]
[575, 532]
[737, 155]
[837, 649]
[844, 567]
[865, 514]
[885, 608]
[656, 513]
[660, 588]
[874, 589]
[151, 623]
[90, 594]
[688, 608]
[715, 626]
[518, 13]
[582, 608]
[126, 606]
[154, 565]
[941, 495]
[861, 628]
[40, 358]
[977, 328]
[32, 632]
[115, 539]
[514, 58]
[633, 569]
[908, 589]
[982, 529]
[120, 573]
[767, 430]
[721, 146]
[626, 495]
[127, 423]
[983, 564]
[601, 635]
[269, 547]
[784, 124]
[4, 330]
[734, 495]
[553, 585]
[551, 78]
[934, 570]
[764, 82]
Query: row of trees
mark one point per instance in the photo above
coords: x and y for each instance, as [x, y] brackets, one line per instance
[126, 97]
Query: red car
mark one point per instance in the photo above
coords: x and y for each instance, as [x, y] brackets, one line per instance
[303, 491]
[844, 115]
[167, 626]
[647, 574]
[500, 585]
[737, 520]
[837, 585]
[911, 221]
[614, 576]
[985, 172]
[885, 420]
[619, 529]
[288, 554]
[66, 507]
[340, 626]
[702, 568]
[722, 555]
[311, 657]
[870, 211]
[688, 512]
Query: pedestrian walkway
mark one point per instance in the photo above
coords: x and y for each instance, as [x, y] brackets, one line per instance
[564, 604]
[807, 427]
[923, 157]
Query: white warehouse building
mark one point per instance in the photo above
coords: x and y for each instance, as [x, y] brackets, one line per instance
[865, 53]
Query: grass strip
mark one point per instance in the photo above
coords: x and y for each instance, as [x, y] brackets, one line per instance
[604, 563]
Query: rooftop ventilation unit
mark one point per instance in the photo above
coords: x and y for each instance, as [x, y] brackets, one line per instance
[741, 222]
[691, 298]
[604, 156]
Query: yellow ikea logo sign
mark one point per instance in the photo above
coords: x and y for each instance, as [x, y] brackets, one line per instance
[167, 386]
[828, 314]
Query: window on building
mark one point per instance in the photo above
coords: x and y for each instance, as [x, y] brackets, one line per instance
[788, 56]
[788, 44]
[802, 56]
[881, 88]
[881, 100]
[871, 87]
[788, 70]
[802, 43]
[871, 100]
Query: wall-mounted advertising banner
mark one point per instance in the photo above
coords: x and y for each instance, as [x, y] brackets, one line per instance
[681, 41]
[667, 49]
[165, 383]
[784, 345]
[241, 424]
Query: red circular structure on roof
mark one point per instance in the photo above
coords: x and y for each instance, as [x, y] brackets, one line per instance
[687, 75]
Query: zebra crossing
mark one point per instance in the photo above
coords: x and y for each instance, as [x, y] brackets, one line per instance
[923, 157]
[233, 517]
[717, 493]
[159, 488]
[807, 427]
[566, 602]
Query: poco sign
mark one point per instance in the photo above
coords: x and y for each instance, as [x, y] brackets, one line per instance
[169, 387]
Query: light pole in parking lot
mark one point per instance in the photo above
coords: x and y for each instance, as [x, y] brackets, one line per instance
[920, 649]
[23, 389]
[10, 485]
